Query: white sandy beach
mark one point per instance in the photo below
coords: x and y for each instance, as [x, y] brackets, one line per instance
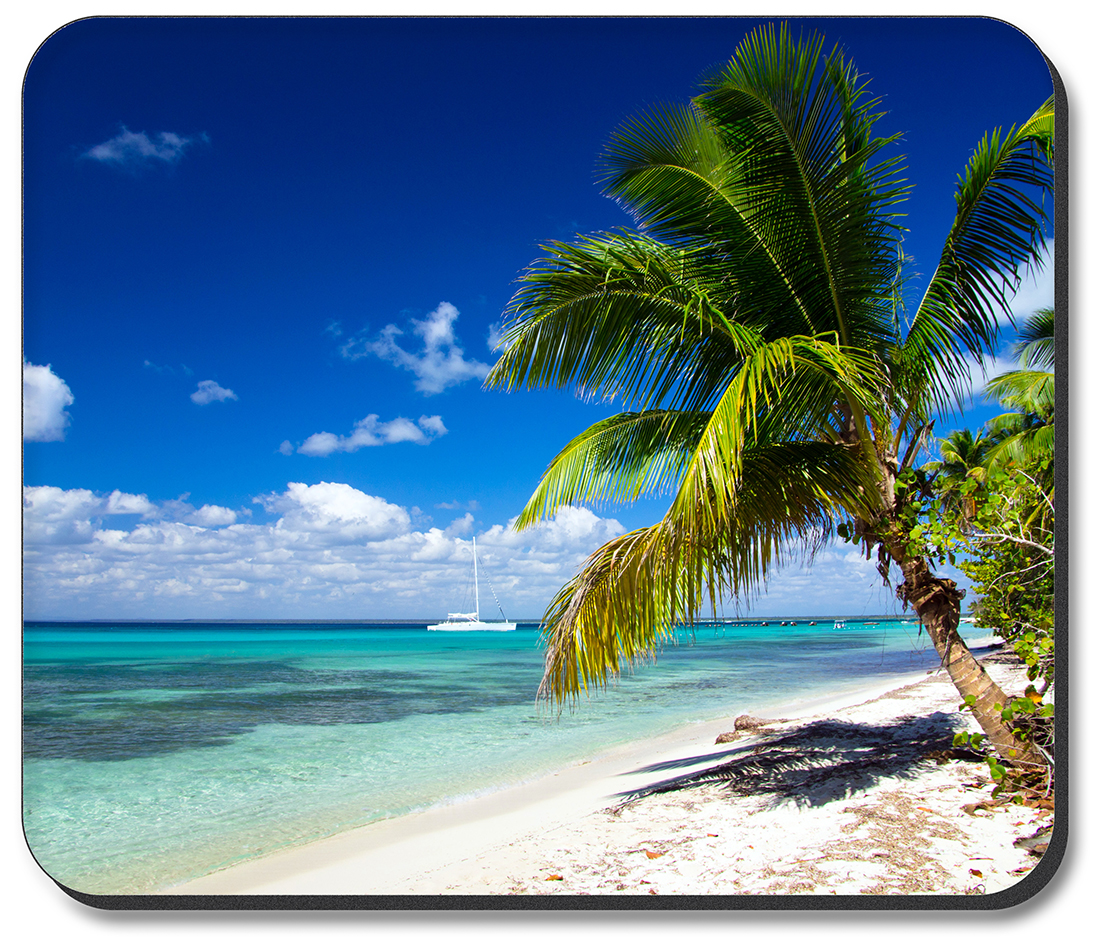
[838, 798]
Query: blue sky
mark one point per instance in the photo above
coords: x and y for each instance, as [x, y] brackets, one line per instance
[265, 261]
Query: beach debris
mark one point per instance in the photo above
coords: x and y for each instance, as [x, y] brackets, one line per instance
[927, 809]
[749, 723]
[990, 805]
[555, 878]
[652, 855]
[746, 724]
[977, 872]
[1036, 843]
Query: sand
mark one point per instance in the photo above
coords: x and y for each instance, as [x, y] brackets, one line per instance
[838, 797]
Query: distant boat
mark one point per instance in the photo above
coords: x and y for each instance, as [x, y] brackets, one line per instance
[840, 624]
[472, 622]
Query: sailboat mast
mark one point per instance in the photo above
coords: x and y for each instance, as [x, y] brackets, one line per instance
[477, 604]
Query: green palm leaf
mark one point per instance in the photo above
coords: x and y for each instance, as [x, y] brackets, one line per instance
[617, 460]
[752, 327]
[1035, 345]
[630, 594]
[621, 316]
[998, 233]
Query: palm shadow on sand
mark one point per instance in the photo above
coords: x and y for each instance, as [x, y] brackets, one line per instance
[818, 762]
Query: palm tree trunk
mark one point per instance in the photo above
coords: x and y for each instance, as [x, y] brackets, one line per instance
[936, 601]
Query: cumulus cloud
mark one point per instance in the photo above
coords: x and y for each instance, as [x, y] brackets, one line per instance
[57, 516]
[134, 148]
[210, 392]
[334, 508]
[213, 516]
[45, 396]
[439, 364]
[326, 550]
[370, 432]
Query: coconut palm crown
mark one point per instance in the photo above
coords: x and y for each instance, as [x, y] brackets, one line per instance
[751, 326]
[1027, 433]
[962, 457]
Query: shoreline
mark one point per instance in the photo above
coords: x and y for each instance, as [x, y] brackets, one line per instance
[488, 843]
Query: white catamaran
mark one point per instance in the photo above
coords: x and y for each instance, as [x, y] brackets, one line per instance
[470, 622]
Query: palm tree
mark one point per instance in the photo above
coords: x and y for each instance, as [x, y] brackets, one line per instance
[1026, 434]
[752, 329]
[962, 457]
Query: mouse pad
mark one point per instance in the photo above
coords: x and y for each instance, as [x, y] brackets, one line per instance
[544, 463]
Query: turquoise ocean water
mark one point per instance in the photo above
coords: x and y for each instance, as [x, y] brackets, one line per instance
[158, 752]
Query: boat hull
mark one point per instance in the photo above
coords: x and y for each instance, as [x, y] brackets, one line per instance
[472, 626]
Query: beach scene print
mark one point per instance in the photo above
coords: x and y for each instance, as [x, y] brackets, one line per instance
[517, 460]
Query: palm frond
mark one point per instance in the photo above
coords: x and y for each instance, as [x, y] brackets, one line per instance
[752, 327]
[617, 460]
[786, 391]
[621, 316]
[778, 181]
[630, 595]
[998, 234]
[1019, 440]
[1028, 391]
[1034, 346]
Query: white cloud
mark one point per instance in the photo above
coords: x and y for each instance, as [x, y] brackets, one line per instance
[121, 503]
[212, 516]
[433, 425]
[441, 362]
[472, 504]
[55, 516]
[327, 550]
[338, 509]
[370, 432]
[45, 396]
[319, 444]
[130, 148]
[209, 392]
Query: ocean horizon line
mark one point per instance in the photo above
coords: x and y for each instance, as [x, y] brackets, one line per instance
[369, 621]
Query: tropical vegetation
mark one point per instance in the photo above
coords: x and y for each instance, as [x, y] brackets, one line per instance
[995, 510]
[752, 326]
